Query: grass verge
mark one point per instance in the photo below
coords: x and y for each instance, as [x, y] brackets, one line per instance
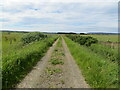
[107, 52]
[98, 71]
[17, 65]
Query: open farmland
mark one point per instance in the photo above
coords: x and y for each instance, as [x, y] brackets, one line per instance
[11, 42]
[106, 38]
[109, 40]
[38, 60]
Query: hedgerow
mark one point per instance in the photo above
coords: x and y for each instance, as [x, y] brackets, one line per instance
[83, 40]
[31, 37]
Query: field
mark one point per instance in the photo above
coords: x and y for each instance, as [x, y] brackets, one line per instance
[11, 42]
[106, 38]
[41, 60]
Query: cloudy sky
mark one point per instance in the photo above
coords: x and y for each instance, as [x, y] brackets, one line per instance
[59, 15]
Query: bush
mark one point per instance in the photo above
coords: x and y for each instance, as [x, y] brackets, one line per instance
[83, 40]
[30, 37]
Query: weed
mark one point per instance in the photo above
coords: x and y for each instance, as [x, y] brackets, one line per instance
[62, 81]
[56, 50]
[56, 61]
[57, 70]
[51, 71]
[62, 54]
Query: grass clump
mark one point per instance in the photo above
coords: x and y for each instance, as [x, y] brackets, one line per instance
[57, 70]
[56, 61]
[51, 71]
[62, 81]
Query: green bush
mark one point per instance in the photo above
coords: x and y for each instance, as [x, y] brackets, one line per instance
[30, 37]
[83, 40]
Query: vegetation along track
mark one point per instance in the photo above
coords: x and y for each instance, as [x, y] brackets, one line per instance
[56, 70]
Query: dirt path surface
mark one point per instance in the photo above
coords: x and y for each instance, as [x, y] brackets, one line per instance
[56, 70]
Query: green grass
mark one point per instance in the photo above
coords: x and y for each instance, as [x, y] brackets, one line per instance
[11, 42]
[59, 44]
[105, 38]
[57, 54]
[51, 71]
[18, 63]
[106, 51]
[56, 61]
[97, 70]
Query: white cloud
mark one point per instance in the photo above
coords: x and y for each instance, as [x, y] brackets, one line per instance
[62, 16]
[67, 1]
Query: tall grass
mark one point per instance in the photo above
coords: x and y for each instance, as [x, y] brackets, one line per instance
[11, 42]
[105, 51]
[16, 65]
[97, 70]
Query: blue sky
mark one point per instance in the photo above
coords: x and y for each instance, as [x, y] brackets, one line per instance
[59, 16]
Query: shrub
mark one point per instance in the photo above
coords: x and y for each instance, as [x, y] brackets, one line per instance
[30, 37]
[83, 40]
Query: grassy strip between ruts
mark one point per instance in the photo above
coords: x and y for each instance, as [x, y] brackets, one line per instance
[98, 72]
[17, 65]
[58, 53]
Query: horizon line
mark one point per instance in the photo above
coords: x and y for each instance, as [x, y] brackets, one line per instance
[57, 31]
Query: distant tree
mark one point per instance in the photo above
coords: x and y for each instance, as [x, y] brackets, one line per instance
[82, 34]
